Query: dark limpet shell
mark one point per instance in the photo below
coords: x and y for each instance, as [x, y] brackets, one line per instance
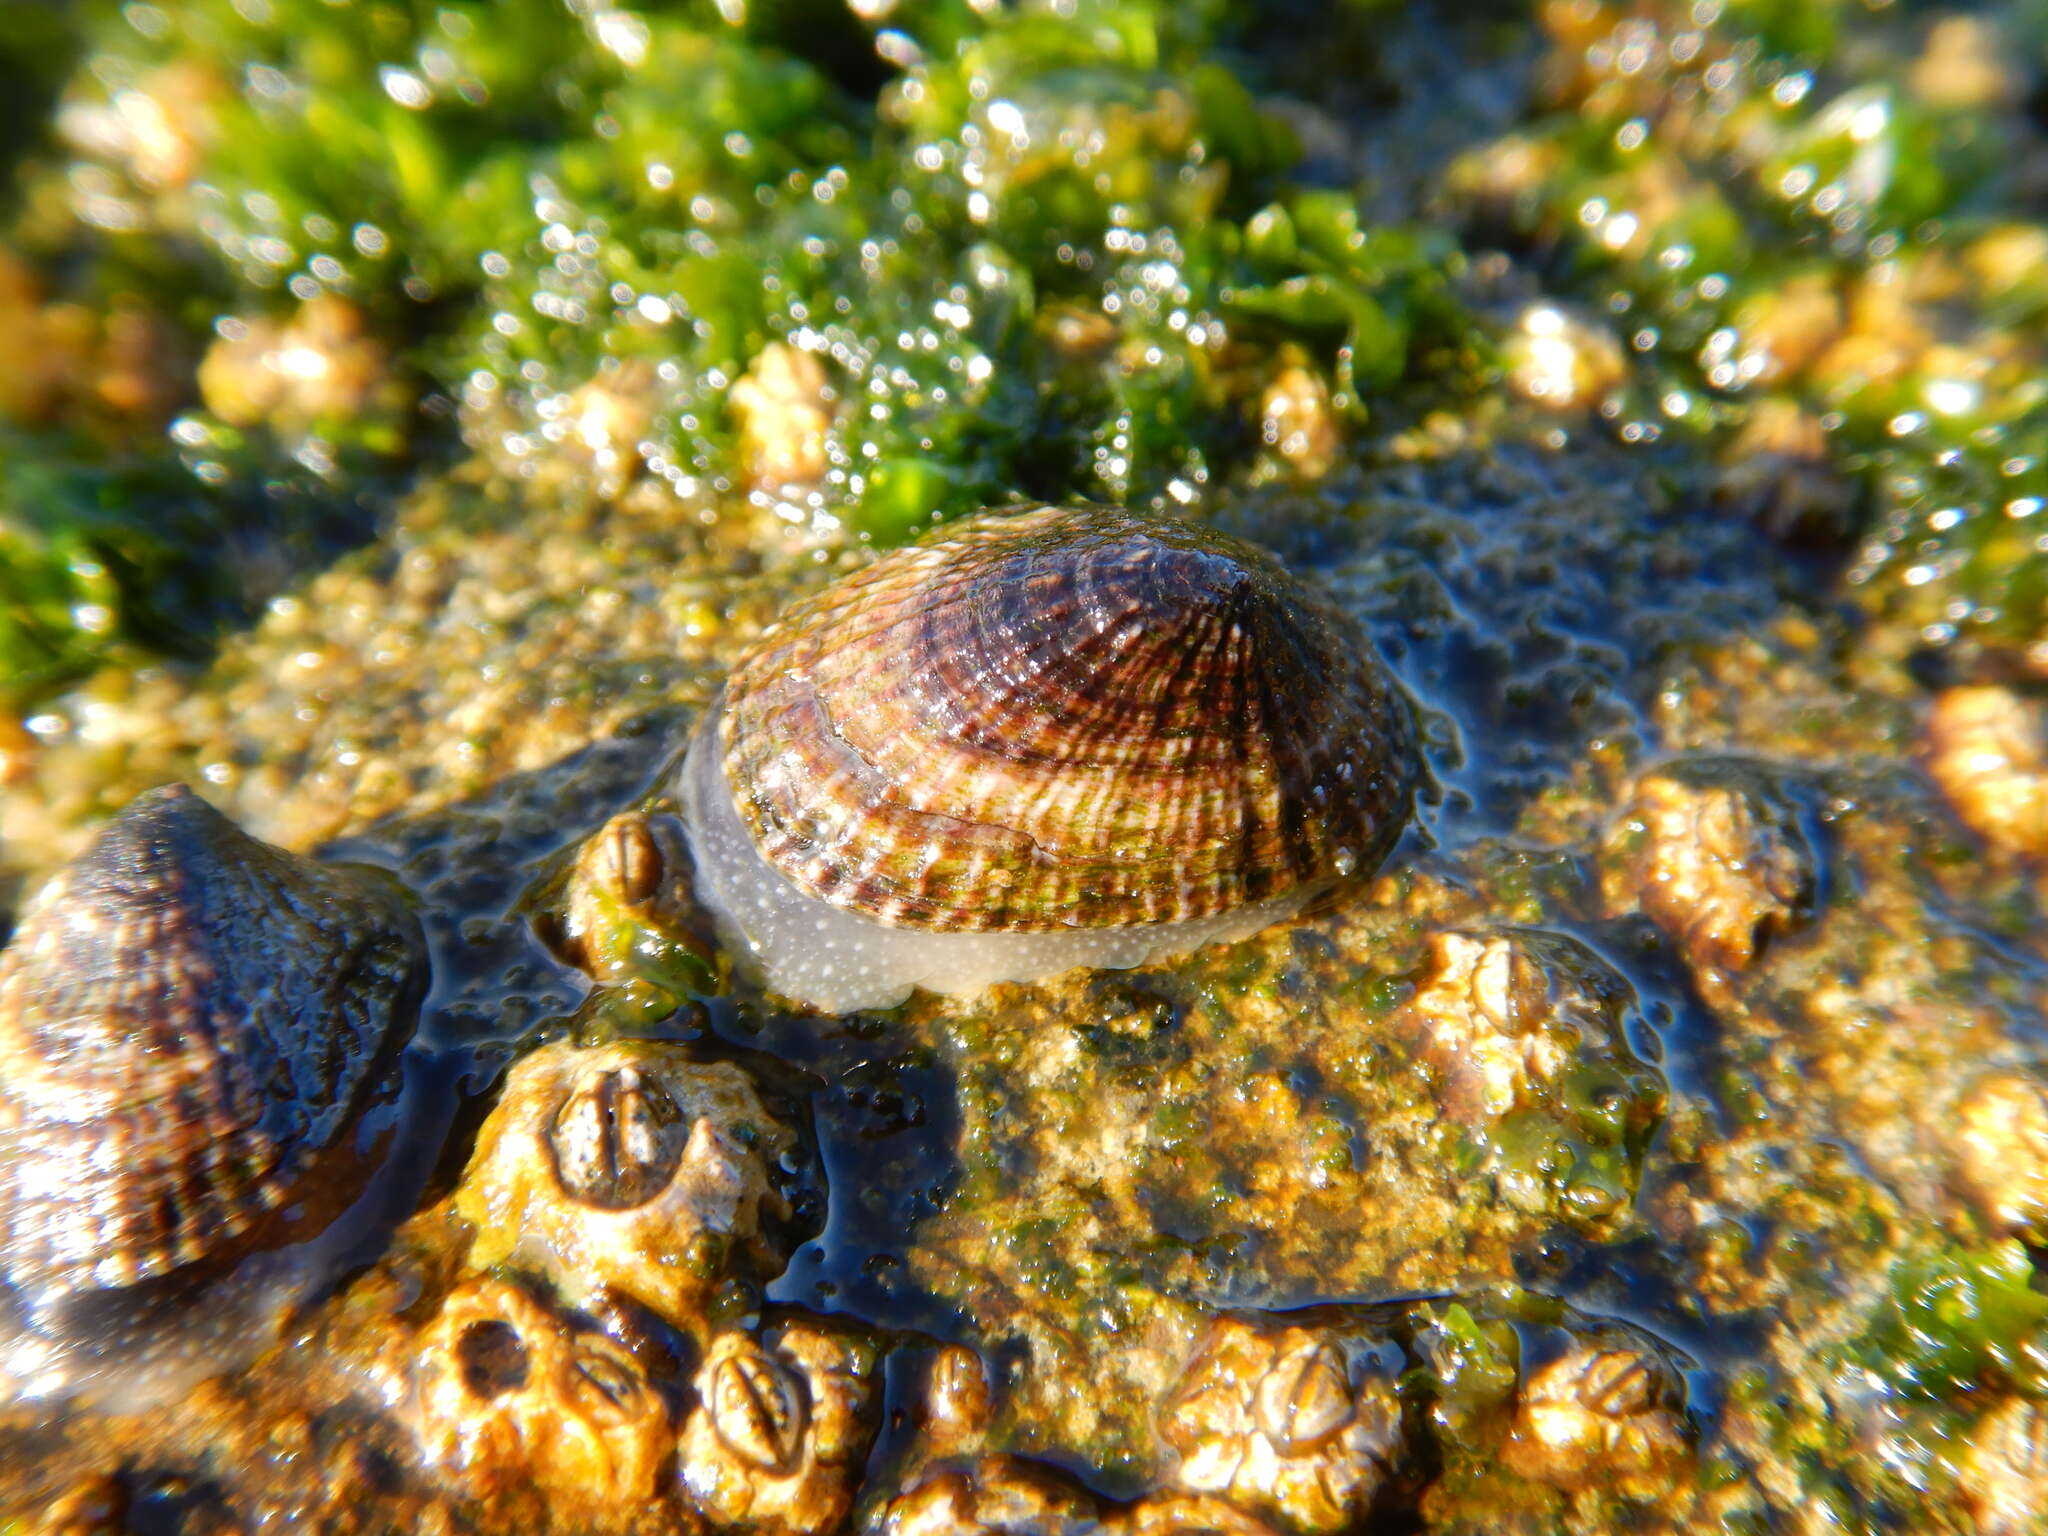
[191, 1023]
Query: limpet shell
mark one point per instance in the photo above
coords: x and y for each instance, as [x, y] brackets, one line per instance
[1058, 724]
[191, 1023]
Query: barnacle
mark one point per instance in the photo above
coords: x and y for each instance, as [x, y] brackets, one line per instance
[1292, 1422]
[781, 1424]
[1597, 1416]
[507, 1390]
[627, 1167]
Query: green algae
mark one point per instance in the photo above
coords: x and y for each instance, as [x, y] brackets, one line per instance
[521, 202]
[1735, 157]
[1958, 1319]
[94, 556]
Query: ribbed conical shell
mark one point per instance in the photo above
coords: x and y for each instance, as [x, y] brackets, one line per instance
[188, 1021]
[1066, 717]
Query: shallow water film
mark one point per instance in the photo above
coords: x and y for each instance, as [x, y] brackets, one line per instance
[412, 419]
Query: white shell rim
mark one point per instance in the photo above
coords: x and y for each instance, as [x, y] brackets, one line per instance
[839, 961]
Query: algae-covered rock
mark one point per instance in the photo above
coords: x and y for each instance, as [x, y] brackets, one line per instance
[412, 415]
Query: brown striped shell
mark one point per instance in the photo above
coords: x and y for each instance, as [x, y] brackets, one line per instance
[190, 1021]
[1066, 717]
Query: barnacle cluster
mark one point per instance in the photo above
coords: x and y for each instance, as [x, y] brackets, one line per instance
[1715, 858]
[1297, 1422]
[508, 1391]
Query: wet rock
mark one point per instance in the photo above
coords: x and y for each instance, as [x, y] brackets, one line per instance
[627, 1167]
[1185, 1515]
[1298, 1423]
[2000, 1138]
[1005, 1496]
[1988, 750]
[994, 1496]
[508, 1391]
[1708, 851]
[781, 1424]
[96, 1506]
[2005, 1468]
[1599, 1416]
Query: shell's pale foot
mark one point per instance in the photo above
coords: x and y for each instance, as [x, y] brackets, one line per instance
[839, 961]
